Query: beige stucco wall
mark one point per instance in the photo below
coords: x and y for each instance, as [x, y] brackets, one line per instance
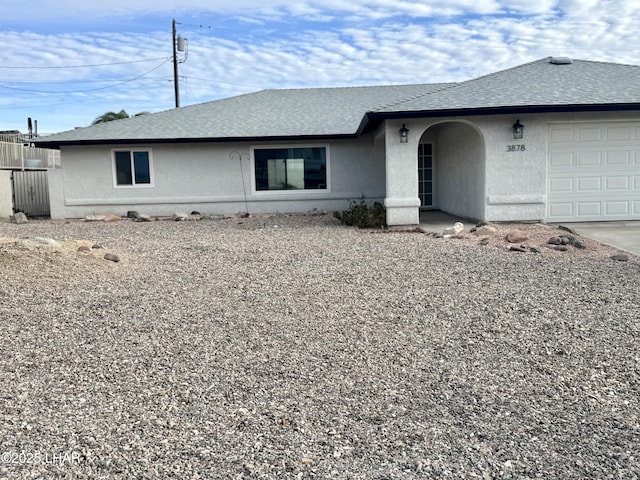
[516, 182]
[477, 176]
[55, 178]
[6, 195]
[460, 175]
[401, 201]
[458, 170]
[207, 178]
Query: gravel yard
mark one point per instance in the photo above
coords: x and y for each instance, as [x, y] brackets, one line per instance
[293, 347]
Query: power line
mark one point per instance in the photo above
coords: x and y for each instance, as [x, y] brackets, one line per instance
[67, 81]
[90, 89]
[86, 65]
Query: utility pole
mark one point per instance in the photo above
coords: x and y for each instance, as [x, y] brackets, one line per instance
[175, 62]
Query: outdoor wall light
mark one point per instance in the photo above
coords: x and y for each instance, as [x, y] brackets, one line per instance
[404, 134]
[518, 130]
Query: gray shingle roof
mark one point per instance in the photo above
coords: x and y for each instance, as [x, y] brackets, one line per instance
[268, 113]
[326, 112]
[540, 83]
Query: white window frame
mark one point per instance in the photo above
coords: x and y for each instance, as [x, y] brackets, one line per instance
[305, 192]
[133, 185]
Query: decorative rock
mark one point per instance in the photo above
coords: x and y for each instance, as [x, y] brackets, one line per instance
[47, 241]
[28, 243]
[132, 214]
[534, 249]
[579, 245]
[485, 230]
[516, 236]
[516, 248]
[180, 217]
[244, 214]
[95, 246]
[484, 241]
[567, 229]
[37, 243]
[567, 240]
[94, 218]
[19, 218]
[619, 257]
[194, 217]
[112, 257]
[84, 243]
[316, 212]
[457, 229]
[84, 249]
[559, 248]
[195, 212]
[112, 218]
[143, 217]
[555, 241]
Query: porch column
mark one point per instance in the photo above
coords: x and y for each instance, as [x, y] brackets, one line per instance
[401, 167]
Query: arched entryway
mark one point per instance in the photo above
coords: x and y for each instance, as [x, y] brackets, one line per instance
[451, 169]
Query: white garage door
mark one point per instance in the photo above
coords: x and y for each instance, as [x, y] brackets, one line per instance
[594, 172]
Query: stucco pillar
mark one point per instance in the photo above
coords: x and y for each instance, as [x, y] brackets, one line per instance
[401, 167]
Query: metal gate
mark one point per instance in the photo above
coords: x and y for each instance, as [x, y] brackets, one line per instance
[31, 193]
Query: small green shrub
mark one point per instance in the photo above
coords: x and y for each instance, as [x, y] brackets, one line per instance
[361, 214]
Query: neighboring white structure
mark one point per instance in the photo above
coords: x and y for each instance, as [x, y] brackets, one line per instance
[6, 200]
[578, 158]
[23, 178]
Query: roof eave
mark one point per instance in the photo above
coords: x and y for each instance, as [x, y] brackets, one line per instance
[154, 141]
[504, 110]
[369, 122]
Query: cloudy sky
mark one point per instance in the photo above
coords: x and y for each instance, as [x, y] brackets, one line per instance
[65, 62]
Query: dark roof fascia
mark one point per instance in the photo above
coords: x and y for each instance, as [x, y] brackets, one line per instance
[155, 141]
[372, 119]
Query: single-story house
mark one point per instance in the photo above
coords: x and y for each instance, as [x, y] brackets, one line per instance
[551, 140]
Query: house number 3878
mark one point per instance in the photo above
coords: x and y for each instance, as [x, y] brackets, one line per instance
[515, 148]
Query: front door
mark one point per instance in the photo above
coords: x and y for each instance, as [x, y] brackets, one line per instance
[425, 175]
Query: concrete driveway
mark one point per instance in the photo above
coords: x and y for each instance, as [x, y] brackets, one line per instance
[622, 235]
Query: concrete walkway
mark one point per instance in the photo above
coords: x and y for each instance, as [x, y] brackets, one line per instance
[436, 221]
[622, 235]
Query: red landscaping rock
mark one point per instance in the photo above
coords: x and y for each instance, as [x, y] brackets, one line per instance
[516, 236]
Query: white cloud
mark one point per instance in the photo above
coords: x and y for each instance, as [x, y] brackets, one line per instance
[55, 10]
